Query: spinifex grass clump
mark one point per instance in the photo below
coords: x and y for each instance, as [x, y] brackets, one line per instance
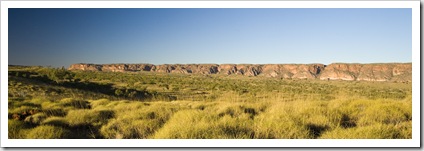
[56, 121]
[376, 131]
[17, 129]
[188, 124]
[137, 119]
[81, 117]
[48, 132]
[220, 120]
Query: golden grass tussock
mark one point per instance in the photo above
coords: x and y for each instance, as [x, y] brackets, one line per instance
[38, 100]
[386, 113]
[230, 121]
[139, 122]
[56, 121]
[48, 132]
[188, 124]
[122, 128]
[17, 129]
[376, 131]
[83, 117]
[99, 103]
[277, 122]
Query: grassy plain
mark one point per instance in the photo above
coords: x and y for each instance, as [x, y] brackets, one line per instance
[54, 103]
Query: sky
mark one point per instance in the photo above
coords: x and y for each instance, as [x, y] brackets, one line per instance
[63, 36]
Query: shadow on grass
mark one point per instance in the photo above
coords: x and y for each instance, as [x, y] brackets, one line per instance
[316, 130]
[107, 88]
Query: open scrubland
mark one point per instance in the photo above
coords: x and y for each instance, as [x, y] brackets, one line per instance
[57, 103]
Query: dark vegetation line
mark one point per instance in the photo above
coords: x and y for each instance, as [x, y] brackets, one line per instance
[64, 78]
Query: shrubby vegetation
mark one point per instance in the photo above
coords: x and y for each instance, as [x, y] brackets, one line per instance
[56, 103]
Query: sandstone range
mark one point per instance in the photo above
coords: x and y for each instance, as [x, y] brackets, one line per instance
[396, 72]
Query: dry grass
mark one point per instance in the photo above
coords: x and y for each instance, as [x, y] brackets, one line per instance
[48, 132]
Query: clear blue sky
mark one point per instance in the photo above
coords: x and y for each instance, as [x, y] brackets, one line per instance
[60, 37]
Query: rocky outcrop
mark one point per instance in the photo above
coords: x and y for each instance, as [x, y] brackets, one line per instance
[335, 71]
[86, 67]
[368, 72]
[341, 71]
[297, 71]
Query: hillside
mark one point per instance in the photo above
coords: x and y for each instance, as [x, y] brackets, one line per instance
[399, 72]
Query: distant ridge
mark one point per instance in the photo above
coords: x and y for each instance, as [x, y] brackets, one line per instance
[401, 72]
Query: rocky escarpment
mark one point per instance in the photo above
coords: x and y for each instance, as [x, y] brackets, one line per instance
[335, 71]
[368, 72]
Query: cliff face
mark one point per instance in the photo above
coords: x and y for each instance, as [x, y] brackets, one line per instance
[368, 72]
[335, 71]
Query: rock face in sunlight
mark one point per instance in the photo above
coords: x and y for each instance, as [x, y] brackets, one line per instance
[368, 72]
[400, 72]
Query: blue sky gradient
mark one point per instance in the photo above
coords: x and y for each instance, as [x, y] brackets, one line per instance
[60, 37]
